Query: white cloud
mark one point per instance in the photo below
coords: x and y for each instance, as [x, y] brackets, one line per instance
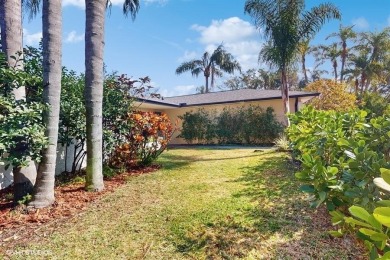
[178, 91]
[78, 3]
[361, 23]
[160, 2]
[239, 37]
[31, 38]
[229, 30]
[73, 37]
[188, 55]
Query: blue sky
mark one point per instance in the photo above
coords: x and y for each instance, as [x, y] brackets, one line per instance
[168, 32]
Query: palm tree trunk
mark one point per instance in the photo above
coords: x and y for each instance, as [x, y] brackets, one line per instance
[12, 45]
[12, 37]
[304, 69]
[94, 48]
[52, 71]
[285, 96]
[207, 84]
[343, 59]
[335, 70]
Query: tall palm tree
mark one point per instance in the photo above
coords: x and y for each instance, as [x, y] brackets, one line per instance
[12, 46]
[369, 63]
[286, 23]
[377, 42]
[211, 65]
[12, 37]
[304, 49]
[331, 52]
[94, 49]
[52, 72]
[344, 34]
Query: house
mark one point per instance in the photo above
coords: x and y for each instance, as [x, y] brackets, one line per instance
[217, 101]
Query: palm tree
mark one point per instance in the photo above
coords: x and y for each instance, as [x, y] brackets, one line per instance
[304, 49]
[286, 23]
[344, 34]
[12, 46]
[52, 72]
[211, 65]
[328, 52]
[94, 48]
[369, 63]
[12, 37]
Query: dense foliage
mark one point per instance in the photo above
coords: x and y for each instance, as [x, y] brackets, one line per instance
[244, 125]
[148, 137]
[21, 127]
[334, 96]
[341, 155]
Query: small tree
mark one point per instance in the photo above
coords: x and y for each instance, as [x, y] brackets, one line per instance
[334, 96]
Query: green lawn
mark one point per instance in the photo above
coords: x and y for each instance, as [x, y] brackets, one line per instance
[202, 204]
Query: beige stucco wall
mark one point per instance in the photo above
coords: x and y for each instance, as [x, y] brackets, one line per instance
[174, 113]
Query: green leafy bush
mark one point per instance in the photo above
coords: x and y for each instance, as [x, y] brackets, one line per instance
[370, 226]
[341, 154]
[22, 133]
[244, 125]
[197, 127]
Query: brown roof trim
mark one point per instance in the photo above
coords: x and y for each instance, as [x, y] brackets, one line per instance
[250, 100]
[223, 102]
[157, 102]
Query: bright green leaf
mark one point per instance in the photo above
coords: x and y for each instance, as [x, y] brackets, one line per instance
[359, 213]
[382, 214]
[385, 174]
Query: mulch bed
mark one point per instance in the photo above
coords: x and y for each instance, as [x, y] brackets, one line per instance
[19, 224]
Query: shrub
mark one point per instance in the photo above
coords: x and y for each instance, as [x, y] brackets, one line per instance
[334, 96]
[370, 226]
[341, 153]
[148, 137]
[250, 125]
[197, 127]
[374, 104]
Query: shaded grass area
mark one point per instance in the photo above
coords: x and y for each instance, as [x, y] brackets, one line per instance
[203, 204]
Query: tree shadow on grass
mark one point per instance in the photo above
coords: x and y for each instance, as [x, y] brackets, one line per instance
[279, 225]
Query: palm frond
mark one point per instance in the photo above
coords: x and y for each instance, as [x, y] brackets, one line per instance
[263, 13]
[32, 7]
[313, 20]
[131, 7]
[186, 66]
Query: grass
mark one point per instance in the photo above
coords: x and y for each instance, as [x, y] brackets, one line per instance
[203, 204]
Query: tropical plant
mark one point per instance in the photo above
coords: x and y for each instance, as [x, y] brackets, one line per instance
[243, 125]
[148, 136]
[374, 48]
[21, 138]
[12, 38]
[52, 71]
[254, 79]
[12, 46]
[344, 34]
[304, 49]
[328, 52]
[197, 126]
[334, 96]
[94, 48]
[370, 226]
[286, 23]
[341, 154]
[211, 65]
